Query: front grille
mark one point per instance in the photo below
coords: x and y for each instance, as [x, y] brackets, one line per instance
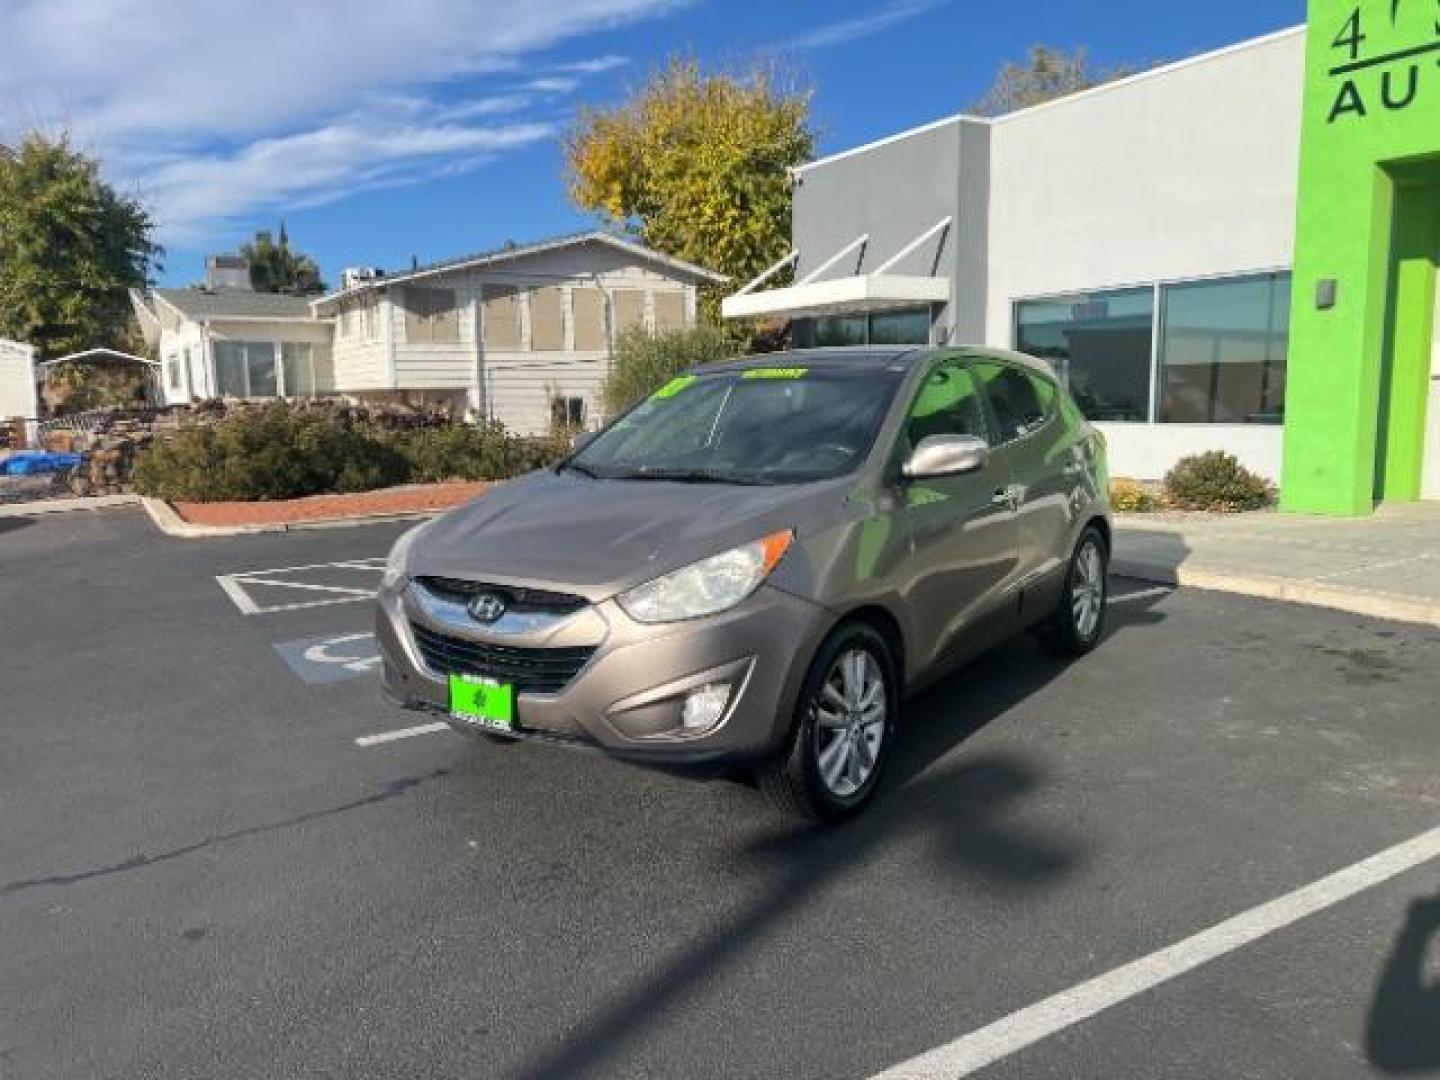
[518, 599]
[539, 671]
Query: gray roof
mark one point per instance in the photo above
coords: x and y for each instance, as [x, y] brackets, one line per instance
[203, 304]
[515, 251]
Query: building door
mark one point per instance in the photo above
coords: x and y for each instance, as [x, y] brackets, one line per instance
[1430, 483]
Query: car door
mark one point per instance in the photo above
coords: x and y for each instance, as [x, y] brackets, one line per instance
[963, 531]
[1043, 455]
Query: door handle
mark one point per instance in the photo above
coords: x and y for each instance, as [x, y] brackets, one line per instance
[1009, 497]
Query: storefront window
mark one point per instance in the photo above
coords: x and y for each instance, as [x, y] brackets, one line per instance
[245, 369]
[910, 326]
[1100, 345]
[1223, 350]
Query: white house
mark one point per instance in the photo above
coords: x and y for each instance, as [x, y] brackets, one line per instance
[522, 334]
[232, 342]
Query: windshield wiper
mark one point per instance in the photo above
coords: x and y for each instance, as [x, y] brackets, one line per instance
[583, 470]
[694, 476]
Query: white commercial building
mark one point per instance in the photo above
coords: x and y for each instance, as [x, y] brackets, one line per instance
[1139, 236]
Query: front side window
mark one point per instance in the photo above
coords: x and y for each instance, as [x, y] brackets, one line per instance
[245, 369]
[1223, 351]
[1100, 345]
[764, 426]
[947, 404]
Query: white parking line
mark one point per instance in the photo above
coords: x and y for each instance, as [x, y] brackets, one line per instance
[1143, 594]
[1030, 1025]
[400, 733]
[237, 586]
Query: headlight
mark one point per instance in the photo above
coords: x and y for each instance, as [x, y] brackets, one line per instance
[708, 586]
[399, 556]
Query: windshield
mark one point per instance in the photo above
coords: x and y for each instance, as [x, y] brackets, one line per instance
[760, 425]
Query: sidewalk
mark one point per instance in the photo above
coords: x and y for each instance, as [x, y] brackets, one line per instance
[1387, 566]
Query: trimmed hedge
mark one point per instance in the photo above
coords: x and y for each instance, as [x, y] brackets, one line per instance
[280, 452]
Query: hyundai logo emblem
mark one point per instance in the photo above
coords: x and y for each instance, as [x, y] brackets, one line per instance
[486, 607]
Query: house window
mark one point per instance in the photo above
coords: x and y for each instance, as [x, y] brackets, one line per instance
[500, 310]
[908, 326]
[1100, 344]
[547, 319]
[307, 367]
[629, 307]
[567, 413]
[1223, 349]
[245, 369]
[669, 311]
[172, 372]
[431, 317]
[588, 311]
[191, 374]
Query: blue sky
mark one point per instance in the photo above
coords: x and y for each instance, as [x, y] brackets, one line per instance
[429, 128]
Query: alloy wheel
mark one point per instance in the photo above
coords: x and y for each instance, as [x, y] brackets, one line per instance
[850, 713]
[1087, 590]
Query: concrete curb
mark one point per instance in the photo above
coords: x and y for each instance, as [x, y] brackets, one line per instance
[1376, 605]
[63, 506]
[164, 517]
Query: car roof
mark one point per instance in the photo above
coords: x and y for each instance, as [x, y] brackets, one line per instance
[871, 358]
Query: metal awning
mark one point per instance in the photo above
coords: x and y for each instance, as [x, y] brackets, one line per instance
[878, 290]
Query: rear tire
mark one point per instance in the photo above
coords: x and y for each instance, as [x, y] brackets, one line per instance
[844, 725]
[1078, 621]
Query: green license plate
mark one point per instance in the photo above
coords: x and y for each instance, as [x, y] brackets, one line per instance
[482, 703]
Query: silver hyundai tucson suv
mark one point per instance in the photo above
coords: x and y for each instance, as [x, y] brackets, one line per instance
[754, 565]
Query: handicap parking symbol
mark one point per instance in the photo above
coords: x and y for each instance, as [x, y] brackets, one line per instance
[332, 658]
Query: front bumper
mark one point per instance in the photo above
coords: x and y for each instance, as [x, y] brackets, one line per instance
[627, 698]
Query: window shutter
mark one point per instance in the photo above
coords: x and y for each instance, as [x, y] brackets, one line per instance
[547, 319]
[589, 313]
[629, 308]
[501, 304]
[669, 311]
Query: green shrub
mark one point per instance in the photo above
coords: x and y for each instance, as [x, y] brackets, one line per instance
[1132, 497]
[284, 452]
[275, 453]
[1217, 482]
[644, 362]
[458, 452]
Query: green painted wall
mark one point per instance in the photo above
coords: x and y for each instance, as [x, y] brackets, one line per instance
[1368, 209]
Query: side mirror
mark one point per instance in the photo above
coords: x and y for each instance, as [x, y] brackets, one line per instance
[580, 440]
[946, 455]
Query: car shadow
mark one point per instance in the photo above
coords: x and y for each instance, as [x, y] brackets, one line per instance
[959, 811]
[13, 524]
[1402, 1034]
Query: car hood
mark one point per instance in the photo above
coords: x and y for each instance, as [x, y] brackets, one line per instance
[569, 533]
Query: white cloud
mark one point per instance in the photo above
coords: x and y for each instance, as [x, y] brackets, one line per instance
[218, 108]
[596, 65]
[863, 26]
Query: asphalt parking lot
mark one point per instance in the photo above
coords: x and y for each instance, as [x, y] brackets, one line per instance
[222, 855]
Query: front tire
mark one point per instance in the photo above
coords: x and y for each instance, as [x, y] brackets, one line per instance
[844, 725]
[1079, 619]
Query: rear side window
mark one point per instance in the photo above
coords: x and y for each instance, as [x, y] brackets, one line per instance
[1014, 400]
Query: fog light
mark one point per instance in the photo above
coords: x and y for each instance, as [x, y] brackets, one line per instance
[704, 707]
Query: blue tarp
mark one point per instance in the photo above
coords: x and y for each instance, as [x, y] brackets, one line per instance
[31, 462]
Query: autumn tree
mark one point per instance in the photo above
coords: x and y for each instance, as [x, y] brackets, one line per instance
[1047, 73]
[276, 268]
[695, 165]
[71, 248]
